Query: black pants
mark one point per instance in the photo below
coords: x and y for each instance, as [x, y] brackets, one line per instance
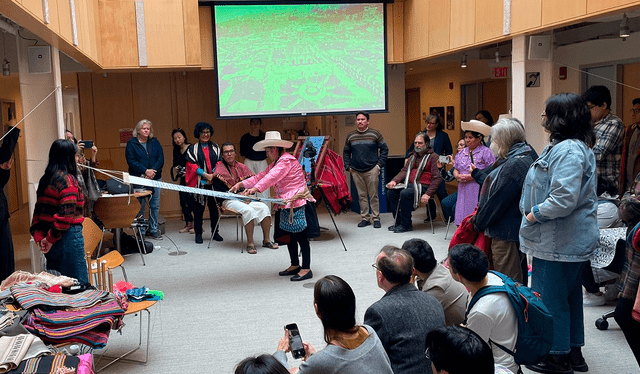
[187, 203]
[629, 326]
[301, 239]
[7, 262]
[198, 212]
[402, 202]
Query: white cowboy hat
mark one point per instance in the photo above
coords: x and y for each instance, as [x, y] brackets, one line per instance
[272, 139]
[477, 126]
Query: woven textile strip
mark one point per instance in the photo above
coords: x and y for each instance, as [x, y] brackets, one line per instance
[30, 296]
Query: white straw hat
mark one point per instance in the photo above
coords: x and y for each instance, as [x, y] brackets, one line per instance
[477, 126]
[272, 139]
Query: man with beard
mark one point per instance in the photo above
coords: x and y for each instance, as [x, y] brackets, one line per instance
[416, 183]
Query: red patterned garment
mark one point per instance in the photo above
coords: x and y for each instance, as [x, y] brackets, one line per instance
[333, 182]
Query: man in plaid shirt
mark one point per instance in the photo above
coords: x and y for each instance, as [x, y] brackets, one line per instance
[609, 137]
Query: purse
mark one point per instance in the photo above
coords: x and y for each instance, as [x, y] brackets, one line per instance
[92, 186]
[293, 222]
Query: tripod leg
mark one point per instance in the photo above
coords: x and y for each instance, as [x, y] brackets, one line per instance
[326, 204]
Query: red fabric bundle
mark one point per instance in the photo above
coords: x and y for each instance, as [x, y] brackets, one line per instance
[466, 234]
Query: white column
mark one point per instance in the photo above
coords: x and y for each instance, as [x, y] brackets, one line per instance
[42, 126]
[518, 71]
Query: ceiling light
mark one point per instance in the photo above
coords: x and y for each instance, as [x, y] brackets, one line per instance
[624, 27]
[6, 69]
[463, 62]
[497, 54]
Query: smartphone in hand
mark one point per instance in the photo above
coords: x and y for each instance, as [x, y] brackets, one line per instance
[295, 341]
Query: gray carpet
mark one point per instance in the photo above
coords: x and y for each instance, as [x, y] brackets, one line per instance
[221, 306]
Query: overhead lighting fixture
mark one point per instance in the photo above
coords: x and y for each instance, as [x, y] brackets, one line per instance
[624, 27]
[497, 54]
[463, 62]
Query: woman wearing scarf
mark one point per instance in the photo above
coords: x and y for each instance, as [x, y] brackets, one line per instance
[202, 158]
[228, 173]
[421, 179]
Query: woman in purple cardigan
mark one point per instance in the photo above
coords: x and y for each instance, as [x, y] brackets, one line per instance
[288, 180]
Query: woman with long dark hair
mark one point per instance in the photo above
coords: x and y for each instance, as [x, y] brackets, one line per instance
[351, 348]
[559, 227]
[178, 171]
[57, 218]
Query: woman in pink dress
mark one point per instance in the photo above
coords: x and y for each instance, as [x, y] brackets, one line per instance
[478, 154]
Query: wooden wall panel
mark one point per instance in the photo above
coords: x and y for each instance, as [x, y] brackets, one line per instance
[489, 19]
[416, 30]
[557, 11]
[191, 26]
[206, 37]
[34, 7]
[390, 40]
[398, 33]
[113, 107]
[164, 26]
[152, 100]
[525, 15]
[181, 105]
[631, 78]
[600, 5]
[54, 19]
[201, 93]
[439, 22]
[463, 23]
[85, 100]
[118, 33]
[64, 20]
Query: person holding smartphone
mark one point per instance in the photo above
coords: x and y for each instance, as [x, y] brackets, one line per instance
[351, 348]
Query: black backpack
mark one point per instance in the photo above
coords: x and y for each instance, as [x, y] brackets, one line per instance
[535, 323]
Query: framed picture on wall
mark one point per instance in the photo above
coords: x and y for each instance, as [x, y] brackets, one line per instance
[438, 111]
[451, 118]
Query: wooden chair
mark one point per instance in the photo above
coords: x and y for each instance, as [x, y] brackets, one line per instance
[92, 238]
[105, 283]
[118, 212]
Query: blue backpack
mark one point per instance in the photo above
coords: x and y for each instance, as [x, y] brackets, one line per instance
[535, 323]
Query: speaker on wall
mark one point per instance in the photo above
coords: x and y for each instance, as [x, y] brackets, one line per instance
[540, 47]
[39, 59]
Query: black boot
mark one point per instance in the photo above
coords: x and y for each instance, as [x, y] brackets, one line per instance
[553, 364]
[577, 361]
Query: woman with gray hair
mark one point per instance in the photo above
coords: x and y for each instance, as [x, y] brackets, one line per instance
[498, 215]
[145, 159]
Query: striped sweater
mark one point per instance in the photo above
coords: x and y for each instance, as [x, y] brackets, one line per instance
[60, 206]
[363, 150]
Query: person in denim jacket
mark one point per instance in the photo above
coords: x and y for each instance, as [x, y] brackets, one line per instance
[559, 226]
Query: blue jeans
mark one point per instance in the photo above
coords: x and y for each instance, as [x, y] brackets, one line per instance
[561, 289]
[154, 210]
[67, 255]
[448, 205]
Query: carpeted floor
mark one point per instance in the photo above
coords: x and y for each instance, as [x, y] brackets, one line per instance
[221, 305]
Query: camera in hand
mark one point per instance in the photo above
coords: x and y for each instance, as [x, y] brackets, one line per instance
[87, 144]
[181, 171]
[309, 150]
[295, 341]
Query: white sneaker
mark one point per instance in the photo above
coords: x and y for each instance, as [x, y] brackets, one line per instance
[593, 299]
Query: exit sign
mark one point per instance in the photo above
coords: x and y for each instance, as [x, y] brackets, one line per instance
[500, 72]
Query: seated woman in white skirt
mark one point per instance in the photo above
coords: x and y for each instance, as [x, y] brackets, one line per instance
[228, 172]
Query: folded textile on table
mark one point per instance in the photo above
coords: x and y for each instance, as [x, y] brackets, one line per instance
[143, 293]
[13, 349]
[30, 296]
[49, 279]
[89, 326]
[58, 364]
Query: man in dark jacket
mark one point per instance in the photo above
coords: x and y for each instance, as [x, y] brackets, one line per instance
[145, 159]
[405, 315]
[420, 179]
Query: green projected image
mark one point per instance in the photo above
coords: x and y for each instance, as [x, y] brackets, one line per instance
[300, 59]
